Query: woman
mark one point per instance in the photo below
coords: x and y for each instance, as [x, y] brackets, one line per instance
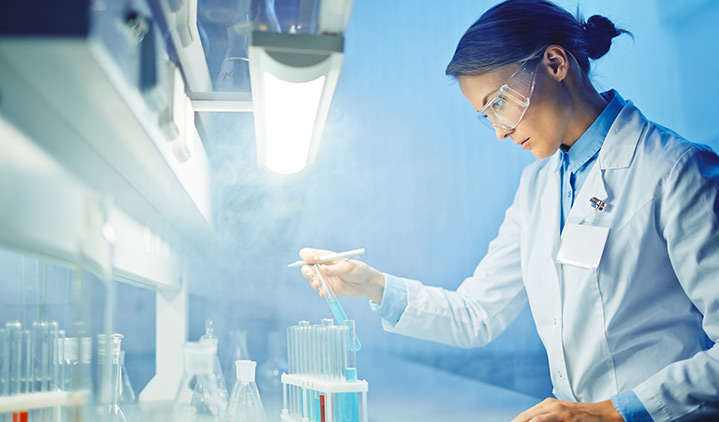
[612, 238]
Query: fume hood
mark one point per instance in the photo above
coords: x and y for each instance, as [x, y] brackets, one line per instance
[104, 175]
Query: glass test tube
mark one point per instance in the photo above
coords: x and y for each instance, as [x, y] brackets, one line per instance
[4, 362]
[303, 364]
[332, 301]
[296, 396]
[291, 368]
[58, 360]
[287, 402]
[69, 361]
[326, 345]
[351, 403]
[25, 361]
[40, 356]
[13, 333]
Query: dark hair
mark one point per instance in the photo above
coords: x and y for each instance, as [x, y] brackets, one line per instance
[517, 30]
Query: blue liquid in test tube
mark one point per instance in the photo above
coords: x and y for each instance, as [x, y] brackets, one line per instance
[332, 301]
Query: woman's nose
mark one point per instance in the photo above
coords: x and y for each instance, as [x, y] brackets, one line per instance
[502, 133]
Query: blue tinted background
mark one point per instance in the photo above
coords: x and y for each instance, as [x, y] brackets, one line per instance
[405, 171]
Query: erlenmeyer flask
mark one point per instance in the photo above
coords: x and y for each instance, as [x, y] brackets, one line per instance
[200, 392]
[127, 393]
[245, 404]
[198, 370]
[236, 350]
[115, 411]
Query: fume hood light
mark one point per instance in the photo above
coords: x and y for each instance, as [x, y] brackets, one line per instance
[293, 78]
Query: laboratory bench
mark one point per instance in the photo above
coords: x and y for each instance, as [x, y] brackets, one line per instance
[404, 391]
[401, 390]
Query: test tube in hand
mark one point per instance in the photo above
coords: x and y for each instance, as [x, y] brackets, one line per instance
[332, 301]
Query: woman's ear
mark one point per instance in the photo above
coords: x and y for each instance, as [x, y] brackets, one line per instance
[556, 61]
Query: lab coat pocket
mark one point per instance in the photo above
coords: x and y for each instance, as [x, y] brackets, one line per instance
[582, 245]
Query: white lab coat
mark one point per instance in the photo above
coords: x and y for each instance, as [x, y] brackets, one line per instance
[646, 318]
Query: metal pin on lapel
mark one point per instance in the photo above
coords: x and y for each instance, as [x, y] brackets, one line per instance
[597, 204]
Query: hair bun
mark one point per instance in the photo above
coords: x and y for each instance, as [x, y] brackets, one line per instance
[598, 33]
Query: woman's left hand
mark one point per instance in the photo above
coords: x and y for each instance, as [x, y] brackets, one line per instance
[553, 410]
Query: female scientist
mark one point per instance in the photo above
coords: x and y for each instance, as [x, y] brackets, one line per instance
[612, 238]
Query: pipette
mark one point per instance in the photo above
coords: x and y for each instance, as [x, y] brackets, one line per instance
[333, 257]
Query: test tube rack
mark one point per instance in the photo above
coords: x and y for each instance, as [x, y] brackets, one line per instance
[331, 391]
[321, 384]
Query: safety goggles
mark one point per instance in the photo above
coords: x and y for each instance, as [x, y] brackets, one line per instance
[507, 107]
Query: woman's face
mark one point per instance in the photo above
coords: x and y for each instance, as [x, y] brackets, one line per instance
[542, 128]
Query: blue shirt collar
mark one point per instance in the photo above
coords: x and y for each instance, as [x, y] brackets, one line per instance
[592, 139]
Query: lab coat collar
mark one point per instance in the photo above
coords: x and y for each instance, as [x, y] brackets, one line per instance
[614, 102]
[621, 142]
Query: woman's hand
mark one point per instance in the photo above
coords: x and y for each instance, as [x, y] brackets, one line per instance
[346, 277]
[552, 410]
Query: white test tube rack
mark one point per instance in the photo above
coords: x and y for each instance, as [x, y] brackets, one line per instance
[323, 386]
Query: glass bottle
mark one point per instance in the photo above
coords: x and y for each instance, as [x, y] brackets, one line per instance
[76, 370]
[249, 15]
[245, 403]
[200, 391]
[198, 370]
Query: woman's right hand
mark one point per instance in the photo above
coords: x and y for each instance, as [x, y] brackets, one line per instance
[346, 277]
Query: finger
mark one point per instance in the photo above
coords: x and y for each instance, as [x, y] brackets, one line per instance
[314, 283]
[528, 414]
[337, 268]
[307, 271]
[311, 255]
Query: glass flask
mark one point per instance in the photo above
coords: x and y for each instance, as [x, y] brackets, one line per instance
[249, 15]
[245, 403]
[200, 391]
[115, 411]
[236, 350]
[198, 370]
[127, 393]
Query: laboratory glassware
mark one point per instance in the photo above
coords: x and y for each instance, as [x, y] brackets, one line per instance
[236, 350]
[322, 383]
[127, 393]
[201, 391]
[4, 362]
[332, 301]
[245, 402]
[350, 400]
[249, 15]
[44, 363]
[115, 411]
[75, 366]
[198, 369]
